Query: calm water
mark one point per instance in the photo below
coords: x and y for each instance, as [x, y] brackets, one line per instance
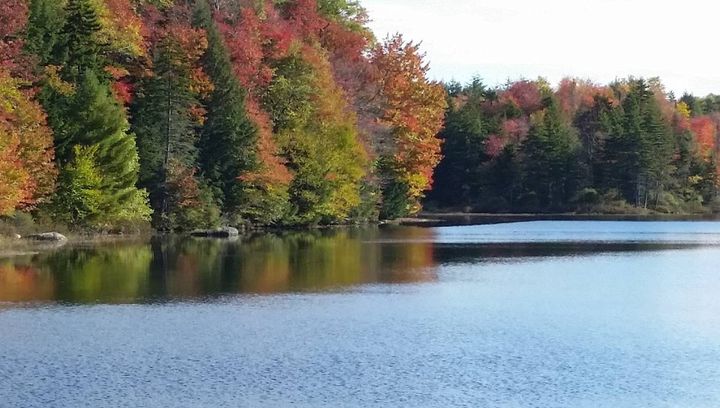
[537, 314]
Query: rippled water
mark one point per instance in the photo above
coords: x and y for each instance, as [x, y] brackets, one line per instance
[537, 314]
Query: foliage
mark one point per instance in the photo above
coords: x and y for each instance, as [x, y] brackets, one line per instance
[79, 200]
[189, 204]
[413, 108]
[13, 176]
[13, 17]
[318, 138]
[120, 27]
[290, 112]
[167, 113]
[623, 148]
[78, 48]
[467, 144]
[43, 31]
[549, 158]
[91, 118]
[245, 112]
[228, 138]
[27, 146]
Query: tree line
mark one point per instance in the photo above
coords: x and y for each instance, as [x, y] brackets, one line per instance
[193, 113]
[628, 147]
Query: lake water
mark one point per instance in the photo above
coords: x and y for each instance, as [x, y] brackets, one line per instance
[531, 314]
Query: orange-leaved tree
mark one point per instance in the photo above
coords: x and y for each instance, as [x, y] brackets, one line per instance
[28, 172]
[413, 107]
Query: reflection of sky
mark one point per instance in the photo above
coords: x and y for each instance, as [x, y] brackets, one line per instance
[584, 231]
[657, 293]
[686, 288]
[597, 39]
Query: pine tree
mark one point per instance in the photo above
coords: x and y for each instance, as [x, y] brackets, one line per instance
[228, 139]
[696, 105]
[167, 131]
[86, 117]
[622, 159]
[78, 48]
[79, 198]
[96, 121]
[460, 175]
[550, 154]
[640, 152]
[656, 153]
[505, 179]
[594, 126]
[161, 119]
[44, 27]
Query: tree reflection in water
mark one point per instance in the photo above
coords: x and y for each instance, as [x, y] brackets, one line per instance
[178, 268]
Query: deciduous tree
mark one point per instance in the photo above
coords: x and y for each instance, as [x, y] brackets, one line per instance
[413, 107]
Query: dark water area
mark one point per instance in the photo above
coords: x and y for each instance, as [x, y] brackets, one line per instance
[527, 314]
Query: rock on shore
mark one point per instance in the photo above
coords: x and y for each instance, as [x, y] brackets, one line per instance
[48, 236]
[225, 232]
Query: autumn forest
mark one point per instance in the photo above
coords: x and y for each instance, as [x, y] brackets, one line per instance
[188, 114]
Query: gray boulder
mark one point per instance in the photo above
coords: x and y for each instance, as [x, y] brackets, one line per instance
[48, 236]
[228, 232]
[225, 232]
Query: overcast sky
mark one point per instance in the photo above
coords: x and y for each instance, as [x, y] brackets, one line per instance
[594, 39]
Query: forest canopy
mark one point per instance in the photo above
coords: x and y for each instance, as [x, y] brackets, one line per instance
[197, 113]
[193, 113]
[626, 147]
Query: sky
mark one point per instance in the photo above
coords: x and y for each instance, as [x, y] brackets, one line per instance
[600, 40]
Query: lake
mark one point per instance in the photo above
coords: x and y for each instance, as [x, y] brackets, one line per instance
[527, 314]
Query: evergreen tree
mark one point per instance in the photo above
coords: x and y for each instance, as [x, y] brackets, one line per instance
[167, 133]
[656, 153]
[696, 105]
[79, 197]
[594, 126]
[395, 192]
[95, 120]
[703, 179]
[460, 175]
[622, 154]
[228, 139]
[45, 23]
[550, 157]
[78, 48]
[504, 181]
[639, 151]
[162, 120]
[85, 117]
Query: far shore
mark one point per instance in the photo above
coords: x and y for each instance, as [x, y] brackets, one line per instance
[462, 218]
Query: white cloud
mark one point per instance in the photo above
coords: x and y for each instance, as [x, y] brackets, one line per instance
[596, 39]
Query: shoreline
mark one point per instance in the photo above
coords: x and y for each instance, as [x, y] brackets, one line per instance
[11, 247]
[460, 218]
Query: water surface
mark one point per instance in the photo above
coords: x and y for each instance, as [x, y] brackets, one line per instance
[537, 314]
